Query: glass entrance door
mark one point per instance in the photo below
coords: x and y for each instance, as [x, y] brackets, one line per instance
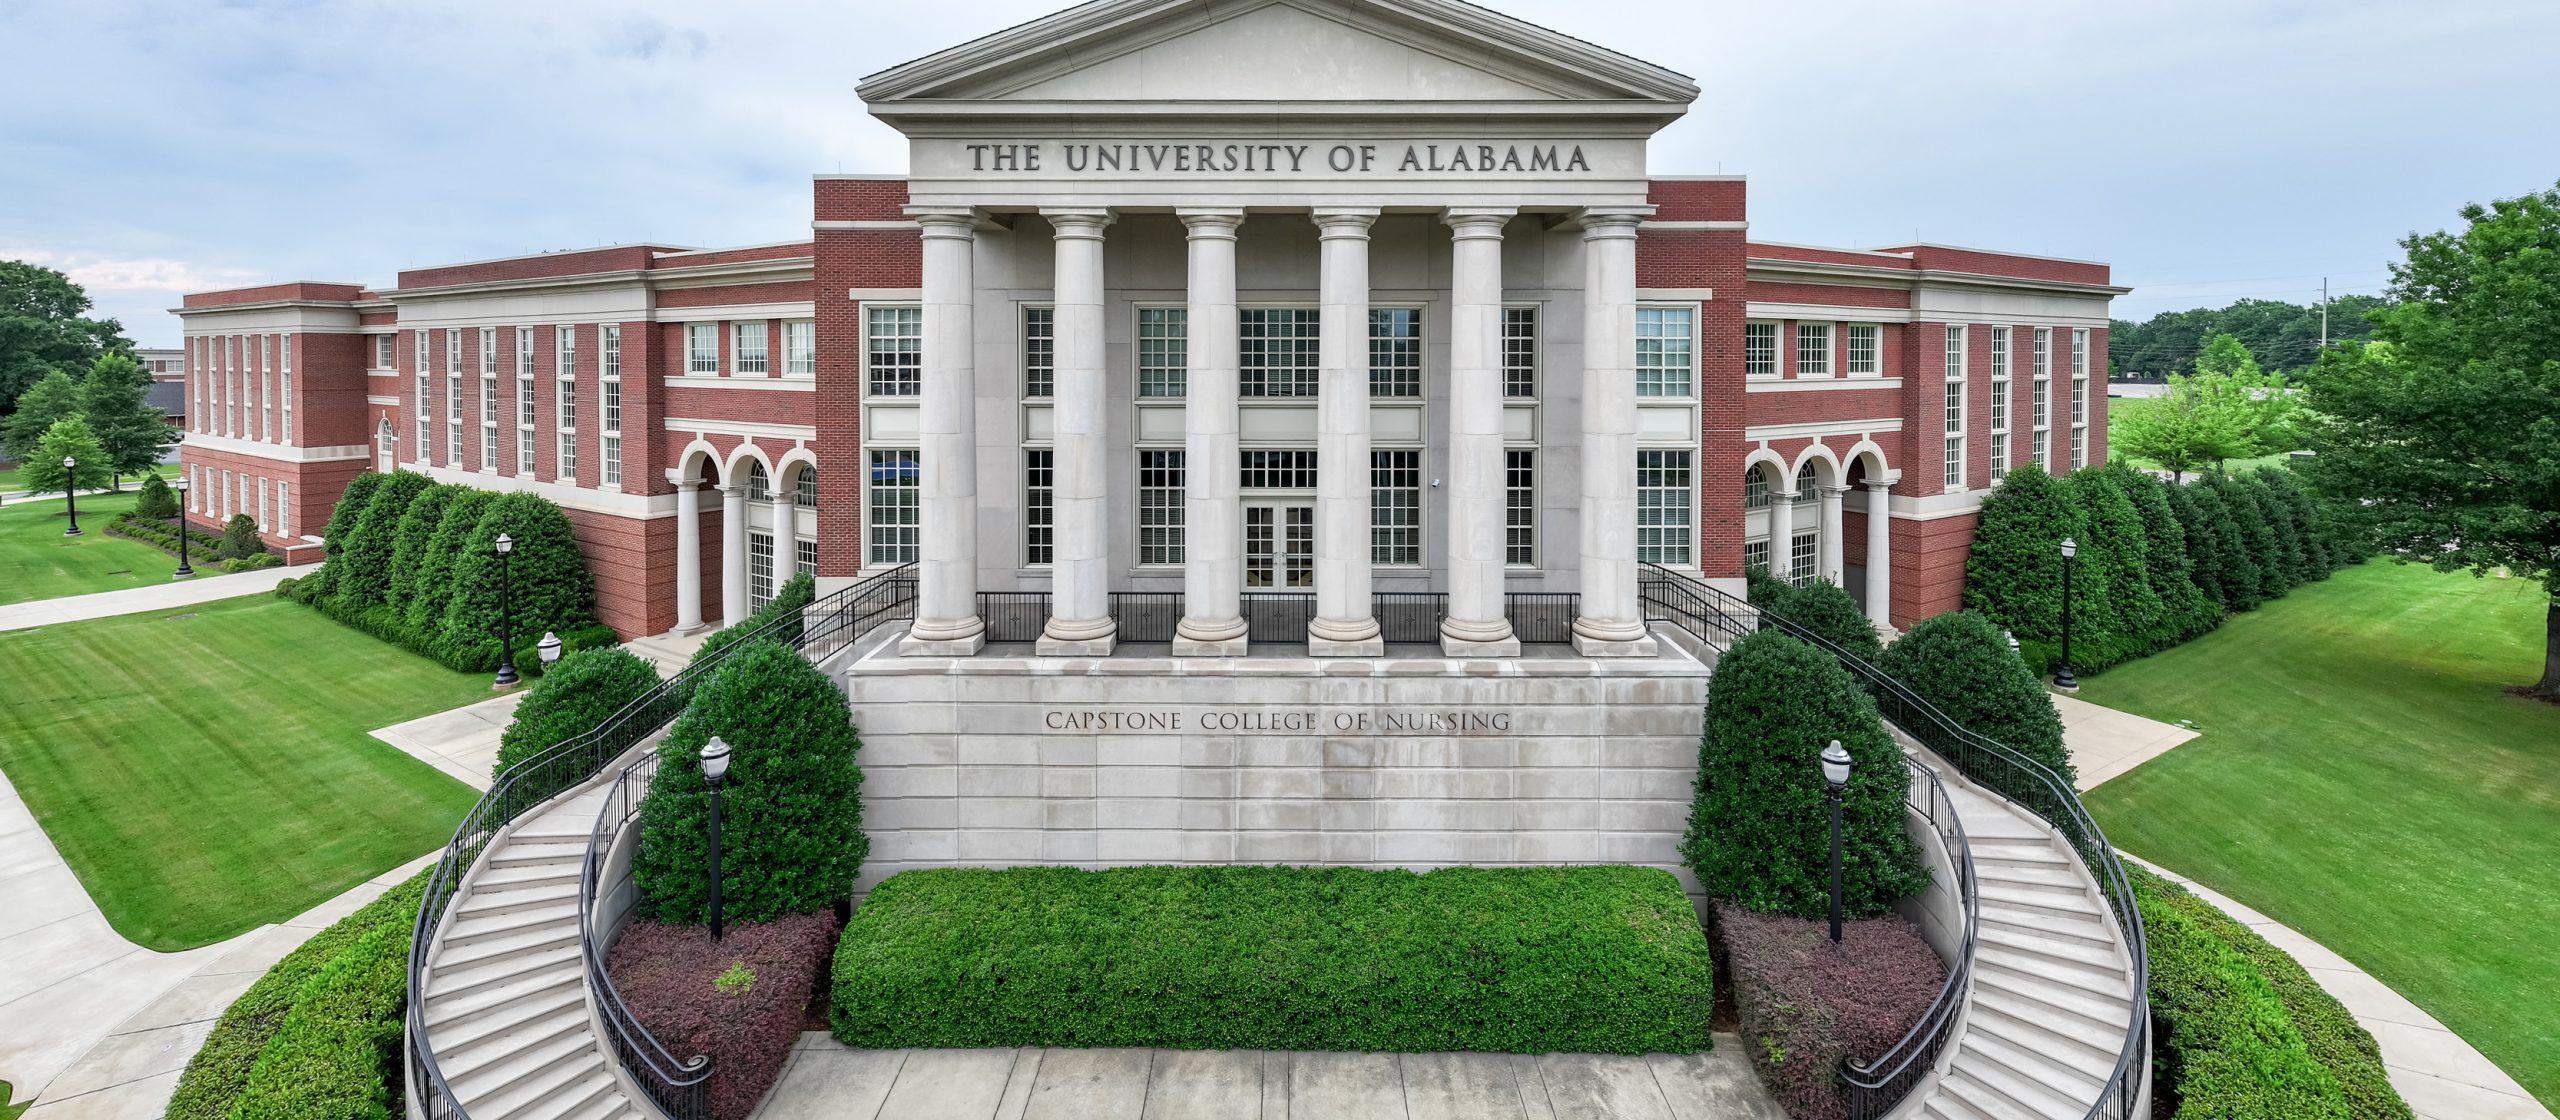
[1279, 547]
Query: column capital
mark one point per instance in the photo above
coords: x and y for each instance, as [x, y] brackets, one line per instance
[1478, 221]
[1882, 484]
[947, 221]
[1078, 221]
[1211, 222]
[680, 480]
[1344, 221]
[1834, 491]
[1612, 221]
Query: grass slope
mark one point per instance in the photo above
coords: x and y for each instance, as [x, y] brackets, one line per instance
[205, 772]
[38, 562]
[2364, 778]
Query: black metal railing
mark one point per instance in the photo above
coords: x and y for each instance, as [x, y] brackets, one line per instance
[1409, 616]
[841, 618]
[1541, 617]
[1146, 616]
[1874, 1087]
[1877, 1085]
[1014, 616]
[1276, 616]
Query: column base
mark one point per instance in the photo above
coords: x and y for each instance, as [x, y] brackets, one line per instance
[942, 647]
[1648, 646]
[689, 631]
[1361, 647]
[1077, 647]
[1470, 647]
[1218, 647]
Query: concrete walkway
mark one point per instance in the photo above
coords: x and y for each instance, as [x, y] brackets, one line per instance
[825, 1079]
[2105, 743]
[145, 600]
[462, 742]
[2441, 1076]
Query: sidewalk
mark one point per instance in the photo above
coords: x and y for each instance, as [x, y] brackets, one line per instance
[145, 600]
[462, 742]
[2104, 742]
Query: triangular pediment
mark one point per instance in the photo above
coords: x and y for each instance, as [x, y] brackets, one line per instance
[1333, 51]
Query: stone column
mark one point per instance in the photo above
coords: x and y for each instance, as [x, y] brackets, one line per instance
[1880, 549]
[1213, 515]
[1476, 625]
[1782, 531]
[947, 622]
[1828, 561]
[688, 552]
[1343, 626]
[1610, 622]
[786, 536]
[1080, 623]
[733, 553]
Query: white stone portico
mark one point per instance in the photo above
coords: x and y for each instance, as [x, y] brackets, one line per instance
[1264, 187]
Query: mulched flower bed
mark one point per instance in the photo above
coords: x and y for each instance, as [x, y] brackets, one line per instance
[671, 977]
[1805, 1005]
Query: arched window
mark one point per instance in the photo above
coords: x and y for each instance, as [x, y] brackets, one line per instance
[1804, 482]
[759, 485]
[804, 490]
[1755, 488]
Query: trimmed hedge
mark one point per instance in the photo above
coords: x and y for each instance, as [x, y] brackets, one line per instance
[669, 977]
[157, 500]
[1805, 1006]
[573, 698]
[789, 600]
[1760, 825]
[431, 586]
[240, 539]
[409, 538]
[163, 535]
[334, 1054]
[546, 581]
[1960, 663]
[1507, 960]
[2329, 1032]
[2116, 613]
[1830, 614]
[342, 524]
[368, 547]
[2014, 571]
[2186, 609]
[791, 807]
[222, 1069]
[2226, 1046]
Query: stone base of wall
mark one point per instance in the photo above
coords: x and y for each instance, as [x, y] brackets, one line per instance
[1007, 759]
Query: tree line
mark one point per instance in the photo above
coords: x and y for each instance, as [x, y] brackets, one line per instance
[2286, 336]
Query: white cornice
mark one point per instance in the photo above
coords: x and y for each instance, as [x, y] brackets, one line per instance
[800, 432]
[610, 502]
[751, 384]
[903, 225]
[1818, 384]
[736, 272]
[273, 452]
[1766, 433]
[715, 312]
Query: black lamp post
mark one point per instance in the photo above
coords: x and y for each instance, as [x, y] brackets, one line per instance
[1835, 774]
[715, 766]
[71, 493]
[183, 572]
[2064, 680]
[506, 620]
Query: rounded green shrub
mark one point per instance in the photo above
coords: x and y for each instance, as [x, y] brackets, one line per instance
[2235, 573]
[1960, 663]
[546, 582]
[240, 539]
[2185, 608]
[156, 501]
[342, 524]
[1826, 611]
[573, 697]
[2115, 612]
[409, 539]
[368, 550]
[431, 588]
[791, 823]
[788, 601]
[2014, 573]
[1759, 828]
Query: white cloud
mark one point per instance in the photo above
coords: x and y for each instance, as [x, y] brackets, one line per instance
[132, 274]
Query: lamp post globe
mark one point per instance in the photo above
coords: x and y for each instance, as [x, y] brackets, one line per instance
[715, 766]
[1835, 780]
[183, 572]
[548, 649]
[2064, 680]
[71, 493]
[506, 611]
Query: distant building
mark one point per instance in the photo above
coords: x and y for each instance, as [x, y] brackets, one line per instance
[163, 365]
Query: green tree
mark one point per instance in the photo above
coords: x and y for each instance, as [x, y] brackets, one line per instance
[2204, 559]
[1759, 825]
[2285, 336]
[573, 697]
[2256, 539]
[2452, 433]
[44, 329]
[791, 805]
[2186, 609]
[53, 399]
[2262, 404]
[1960, 663]
[2117, 615]
[367, 550]
[2014, 572]
[1830, 614]
[547, 584]
[342, 524]
[2183, 431]
[409, 539]
[132, 432]
[156, 502]
[240, 539]
[431, 588]
[2235, 572]
[71, 439]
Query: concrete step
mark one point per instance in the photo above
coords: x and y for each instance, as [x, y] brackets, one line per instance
[473, 978]
[508, 1017]
[2109, 984]
[2102, 960]
[523, 876]
[2006, 853]
[532, 939]
[560, 1089]
[468, 930]
[2108, 1015]
[1962, 1098]
[2038, 877]
[525, 1058]
[2055, 1036]
[514, 900]
[2075, 1090]
[590, 1097]
[2038, 900]
[521, 852]
[2084, 928]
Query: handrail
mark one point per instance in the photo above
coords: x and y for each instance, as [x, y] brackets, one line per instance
[536, 780]
[1707, 611]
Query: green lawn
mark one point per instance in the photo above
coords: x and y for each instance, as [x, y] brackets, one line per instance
[40, 563]
[207, 771]
[13, 478]
[2364, 778]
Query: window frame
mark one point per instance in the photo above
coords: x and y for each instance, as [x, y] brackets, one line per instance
[1391, 536]
[1253, 382]
[1873, 334]
[909, 509]
[1415, 344]
[1520, 507]
[1520, 379]
[1769, 370]
[1172, 375]
[1036, 347]
[1815, 362]
[1684, 460]
[1168, 491]
[1959, 342]
[799, 348]
[699, 362]
[1687, 371]
[908, 379]
[739, 354]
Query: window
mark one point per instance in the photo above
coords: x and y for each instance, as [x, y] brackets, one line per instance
[565, 422]
[284, 386]
[284, 510]
[1755, 489]
[896, 514]
[266, 389]
[488, 409]
[524, 400]
[1813, 349]
[1805, 484]
[1755, 554]
[386, 351]
[1395, 352]
[759, 570]
[1160, 496]
[2041, 416]
[1663, 351]
[1662, 507]
[609, 374]
[1866, 350]
[421, 357]
[1999, 403]
[749, 352]
[896, 337]
[1395, 508]
[1520, 507]
[1760, 349]
[1278, 348]
[804, 488]
[805, 557]
[759, 483]
[1955, 408]
[1277, 470]
[1039, 352]
[1520, 352]
[1164, 351]
[702, 348]
[1039, 505]
[1800, 557]
[260, 485]
[453, 398]
[800, 348]
[2079, 396]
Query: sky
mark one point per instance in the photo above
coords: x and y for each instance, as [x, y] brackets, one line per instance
[2208, 149]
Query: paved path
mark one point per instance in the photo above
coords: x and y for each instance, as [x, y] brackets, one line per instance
[2104, 742]
[462, 742]
[825, 1079]
[2441, 1076]
[144, 600]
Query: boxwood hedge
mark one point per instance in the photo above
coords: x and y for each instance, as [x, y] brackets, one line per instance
[1519, 960]
[2227, 1048]
[334, 1052]
[1960, 663]
[572, 698]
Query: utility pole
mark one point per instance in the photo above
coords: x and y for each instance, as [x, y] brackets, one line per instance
[2324, 312]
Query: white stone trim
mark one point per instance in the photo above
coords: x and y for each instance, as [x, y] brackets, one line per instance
[274, 452]
[1819, 429]
[900, 224]
[884, 295]
[610, 502]
[743, 428]
[1828, 313]
[1673, 295]
[1658, 226]
[1817, 384]
[392, 401]
[730, 311]
[749, 381]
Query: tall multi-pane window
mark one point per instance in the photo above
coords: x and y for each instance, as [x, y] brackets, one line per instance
[1755, 554]
[1164, 351]
[2079, 396]
[896, 513]
[1039, 505]
[1662, 507]
[1520, 507]
[1161, 484]
[386, 351]
[266, 390]
[800, 348]
[1813, 349]
[759, 570]
[565, 422]
[1866, 350]
[759, 483]
[1955, 408]
[1755, 489]
[1520, 352]
[1395, 352]
[1278, 348]
[895, 340]
[284, 509]
[804, 488]
[284, 386]
[1760, 349]
[609, 375]
[524, 401]
[1665, 345]
[805, 557]
[2040, 420]
[1395, 507]
[425, 406]
[489, 399]
[1801, 554]
[1999, 403]
[1807, 483]
[1039, 352]
[702, 348]
[750, 348]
